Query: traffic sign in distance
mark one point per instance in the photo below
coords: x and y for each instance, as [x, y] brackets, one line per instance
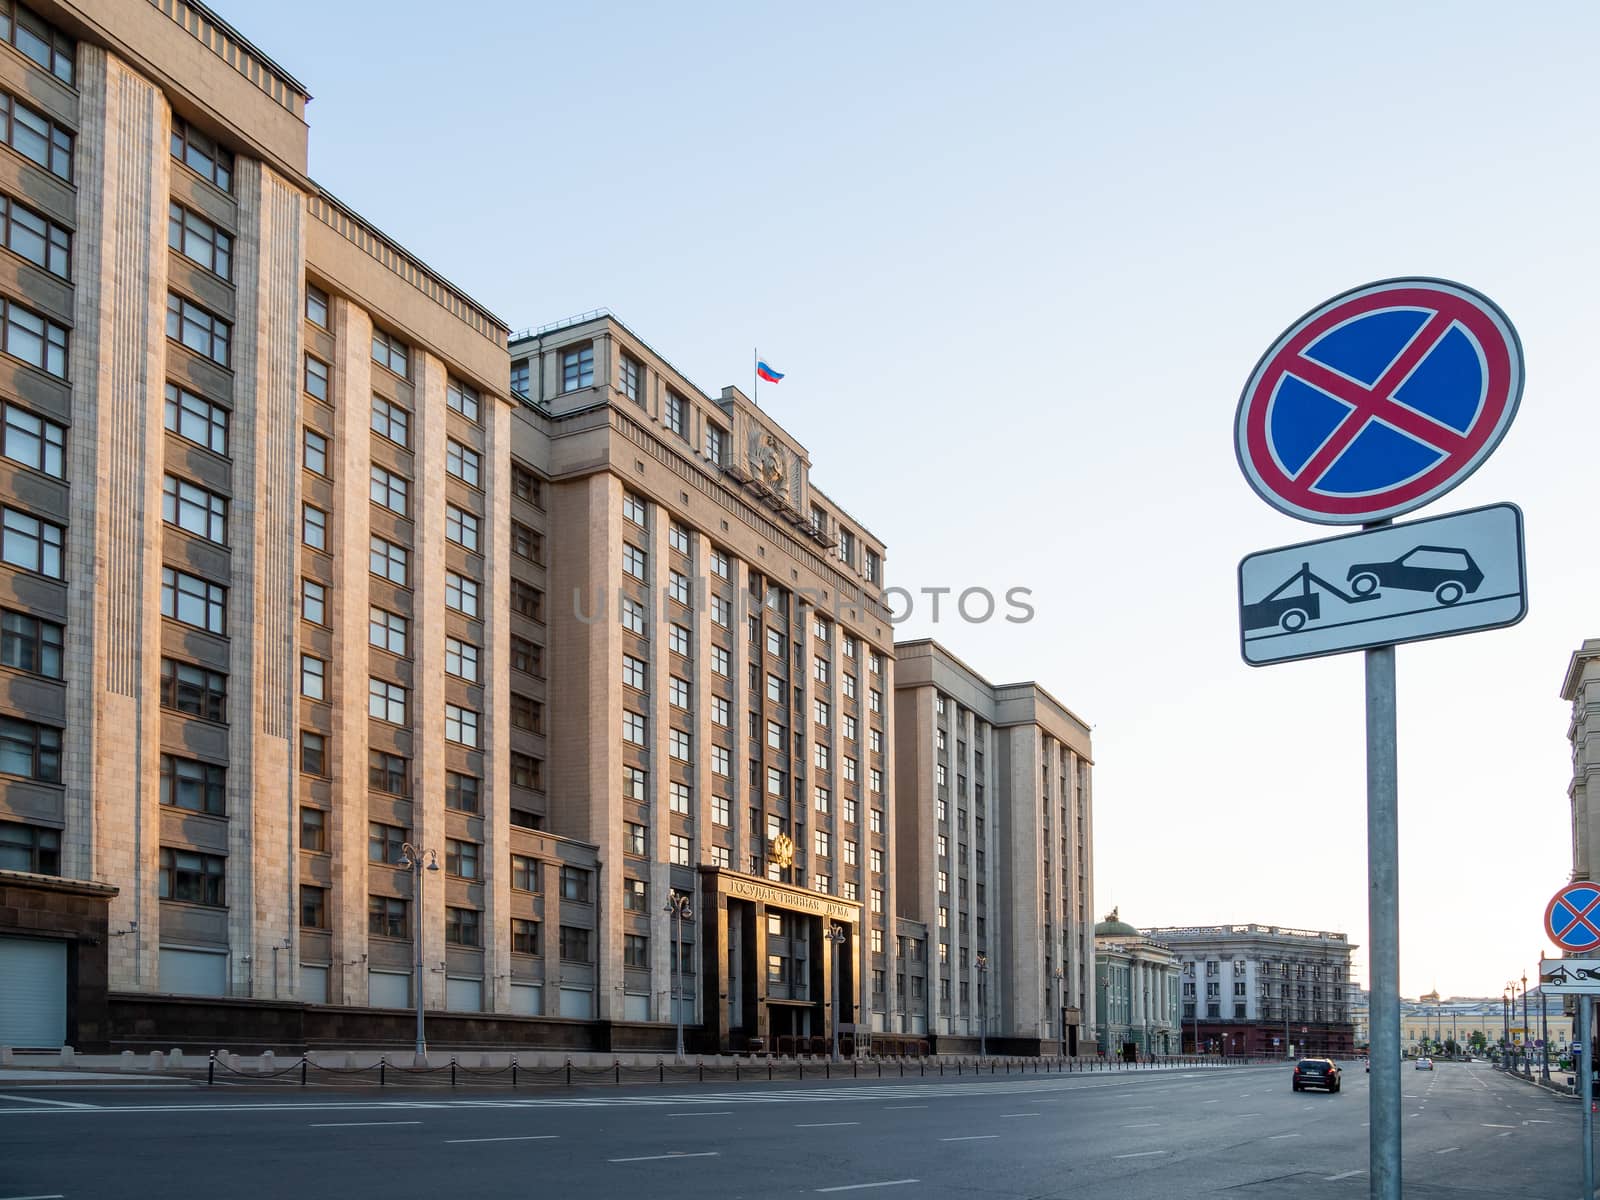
[1573, 917]
[1569, 976]
[1398, 583]
[1378, 401]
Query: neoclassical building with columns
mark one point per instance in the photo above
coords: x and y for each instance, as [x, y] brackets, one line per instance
[1136, 991]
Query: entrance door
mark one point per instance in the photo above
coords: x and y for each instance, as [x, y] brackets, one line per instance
[33, 993]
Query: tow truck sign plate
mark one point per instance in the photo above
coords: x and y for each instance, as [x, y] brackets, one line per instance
[1398, 583]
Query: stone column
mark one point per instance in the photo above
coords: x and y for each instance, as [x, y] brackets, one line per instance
[111, 756]
[496, 673]
[659, 717]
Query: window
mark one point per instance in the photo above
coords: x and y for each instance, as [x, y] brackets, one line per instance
[460, 725]
[875, 820]
[389, 490]
[875, 702]
[313, 602]
[819, 669]
[391, 421]
[313, 753]
[820, 711]
[526, 771]
[40, 41]
[637, 839]
[774, 686]
[628, 377]
[673, 414]
[525, 485]
[720, 857]
[461, 792]
[821, 799]
[577, 368]
[575, 884]
[201, 155]
[633, 672]
[33, 135]
[849, 852]
[35, 237]
[317, 306]
[389, 351]
[875, 777]
[849, 810]
[777, 784]
[195, 786]
[847, 546]
[634, 561]
[719, 811]
[820, 843]
[635, 896]
[524, 936]
[524, 873]
[314, 830]
[872, 566]
[527, 600]
[461, 858]
[633, 729]
[574, 944]
[316, 378]
[635, 785]
[313, 677]
[521, 818]
[527, 656]
[31, 644]
[462, 398]
[678, 640]
[315, 452]
[720, 662]
[679, 745]
[186, 598]
[716, 444]
[678, 587]
[385, 843]
[722, 611]
[721, 564]
[387, 773]
[875, 858]
[386, 701]
[461, 527]
[877, 941]
[819, 757]
[775, 644]
[679, 850]
[461, 593]
[847, 727]
[203, 332]
[520, 379]
[774, 735]
[527, 713]
[198, 240]
[313, 907]
[192, 508]
[387, 917]
[461, 659]
[461, 462]
[313, 527]
[387, 560]
[189, 416]
[527, 543]
[875, 744]
[387, 630]
[848, 686]
[192, 878]
[720, 761]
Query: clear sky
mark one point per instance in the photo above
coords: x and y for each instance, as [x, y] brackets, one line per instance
[1017, 262]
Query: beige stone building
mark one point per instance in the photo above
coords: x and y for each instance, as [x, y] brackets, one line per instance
[1581, 689]
[994, 817]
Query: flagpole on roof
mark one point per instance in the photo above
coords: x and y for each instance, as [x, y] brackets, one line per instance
[755, 374]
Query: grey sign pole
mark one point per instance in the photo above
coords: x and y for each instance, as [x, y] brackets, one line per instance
[1586, 1088]
[1383, 923]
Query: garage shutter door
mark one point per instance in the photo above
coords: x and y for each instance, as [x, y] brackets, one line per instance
[33, 993]
[527, 999]
[463, 995]
[388, 989]
[313, 984]
[576, 1002]
[194, 972]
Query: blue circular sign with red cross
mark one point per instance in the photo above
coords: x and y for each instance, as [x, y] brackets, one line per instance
[1573, 918]
[1378, 401]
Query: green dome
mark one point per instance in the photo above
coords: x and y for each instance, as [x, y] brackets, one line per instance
[1114, 926]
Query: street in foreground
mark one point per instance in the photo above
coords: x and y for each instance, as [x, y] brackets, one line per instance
[1470, 1133]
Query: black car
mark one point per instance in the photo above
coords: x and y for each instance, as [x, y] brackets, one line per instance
[1316, 1072]
[1447, 571]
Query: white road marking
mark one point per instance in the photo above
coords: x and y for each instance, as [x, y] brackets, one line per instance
[826, 1124]
[357, 1124]
[854, 1187]
[1341, 1175]
[1247, 1114]
[1486, 1125]
[41, 1100]
[971, 1137]
[726, 1112]
[1004, 1115]
[1145, 1125]
[51, 1196]
[1278, 1137]
[661, 1157]
[1448, 1150]
[1202, 1102]
[902, 1107]
[527, 1137]
[1141, 1154]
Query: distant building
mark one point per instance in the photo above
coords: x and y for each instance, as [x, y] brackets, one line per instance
[1249, 989]
[1581, 688]
[1482, 1022]
[1136, 990]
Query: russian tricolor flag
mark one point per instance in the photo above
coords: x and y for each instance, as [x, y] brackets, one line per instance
[767, 373]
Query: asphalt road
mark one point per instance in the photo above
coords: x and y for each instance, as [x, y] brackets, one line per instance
[1243, 1133]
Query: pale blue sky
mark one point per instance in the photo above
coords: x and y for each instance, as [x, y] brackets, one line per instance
[1017, 262]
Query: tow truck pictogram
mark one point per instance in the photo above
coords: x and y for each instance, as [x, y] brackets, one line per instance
[1291, 612]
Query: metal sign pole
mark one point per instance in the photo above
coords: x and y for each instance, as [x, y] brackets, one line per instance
[1383, 923]
[1586, 1088]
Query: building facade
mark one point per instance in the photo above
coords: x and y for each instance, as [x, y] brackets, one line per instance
[1263, 989]
[1581, 689]
[995, 823]
[1137, 988]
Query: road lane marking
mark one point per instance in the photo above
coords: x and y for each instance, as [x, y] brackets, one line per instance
[1202, 1102]
[902, 1107]
[1341, 1175]
[826, 1124]
[1004, 1115]
[674, 1154]
[727, 1112]
[357, 1124]
[1141, 1154]
[1247, 1114]
[971, 1137]
[855, 1187]
[525, 1137]
[51, 1196]
[1448, 1150]
[1278, 1137]
[1145, 1125]
[1486, 1125]
[54, 1103]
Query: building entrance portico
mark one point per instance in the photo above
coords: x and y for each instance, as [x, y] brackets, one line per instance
[769, 960]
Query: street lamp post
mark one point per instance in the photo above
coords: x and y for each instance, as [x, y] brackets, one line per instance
[1527, 1063]
[1544, 1035]
[983, 1010]
[835, 934]
[1061, 1008]
[1505, 1038]
[679, 910]
[411, 859]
